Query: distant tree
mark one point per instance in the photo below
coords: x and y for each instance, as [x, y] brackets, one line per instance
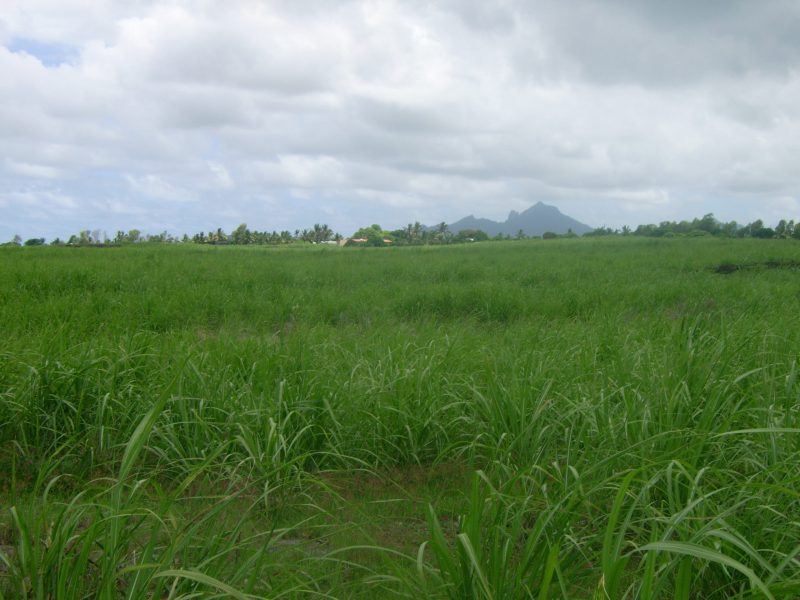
[663, 227]
[729, 229]
[756, 229]
[602, 231]
[320, 233]
[521, 235]
[707, 223]
[471, 235]
[240, 235]
[219, 237]
[416, 232]
[400, 236]
[57, 242]
[763, 233]
[34, 242]
[549, 235]
[365, 232]
[442, 232]
[646, 230]
[374, 234]
[160, 238]
[16, 240]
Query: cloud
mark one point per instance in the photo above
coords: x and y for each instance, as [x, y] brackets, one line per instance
[208, 114]
[32, 170]
[156, 188]
[299, 171]
[32, 205]
[672, 43]
[220, 177]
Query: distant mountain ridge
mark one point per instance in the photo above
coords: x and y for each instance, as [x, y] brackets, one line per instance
[536, 220]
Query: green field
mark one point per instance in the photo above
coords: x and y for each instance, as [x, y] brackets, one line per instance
[607, 418]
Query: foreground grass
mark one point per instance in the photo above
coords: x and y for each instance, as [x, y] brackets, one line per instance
[567, 419]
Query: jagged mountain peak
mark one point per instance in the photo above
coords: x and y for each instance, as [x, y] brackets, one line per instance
[533, 221]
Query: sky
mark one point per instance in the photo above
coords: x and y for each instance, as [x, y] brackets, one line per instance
[186, 116]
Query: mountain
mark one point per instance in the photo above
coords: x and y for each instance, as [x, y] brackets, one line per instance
[536, 220]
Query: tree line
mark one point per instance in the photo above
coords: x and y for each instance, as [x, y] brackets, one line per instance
[416, 234]
[708, 225]
[239, 236]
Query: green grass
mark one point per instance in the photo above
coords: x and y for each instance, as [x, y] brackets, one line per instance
[602, 418]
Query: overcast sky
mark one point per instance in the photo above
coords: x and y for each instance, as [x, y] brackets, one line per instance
[191, 115]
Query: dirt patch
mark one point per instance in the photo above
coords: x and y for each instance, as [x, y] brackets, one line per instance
[387, 507]
[409, 482]
[305, 546]
[728, 268]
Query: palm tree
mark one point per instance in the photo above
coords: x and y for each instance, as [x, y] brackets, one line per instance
[322, 233]
[442, 233]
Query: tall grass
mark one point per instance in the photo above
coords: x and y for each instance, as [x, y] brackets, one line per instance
[172, 420]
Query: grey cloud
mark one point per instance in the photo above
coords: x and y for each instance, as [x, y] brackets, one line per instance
[748, 113]
[405, 119]
[364, 111]
[252, 47]
[221, 58]
[672, 43]
[69, 21]
[193, 108]
[478, 15]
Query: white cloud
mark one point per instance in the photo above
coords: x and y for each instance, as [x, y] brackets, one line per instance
[40, 204]
[782, 207]
[398, 110]
[154, 187]
[221, 178]
[32, 170]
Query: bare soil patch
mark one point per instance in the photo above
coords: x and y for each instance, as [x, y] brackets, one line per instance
[728, 268]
